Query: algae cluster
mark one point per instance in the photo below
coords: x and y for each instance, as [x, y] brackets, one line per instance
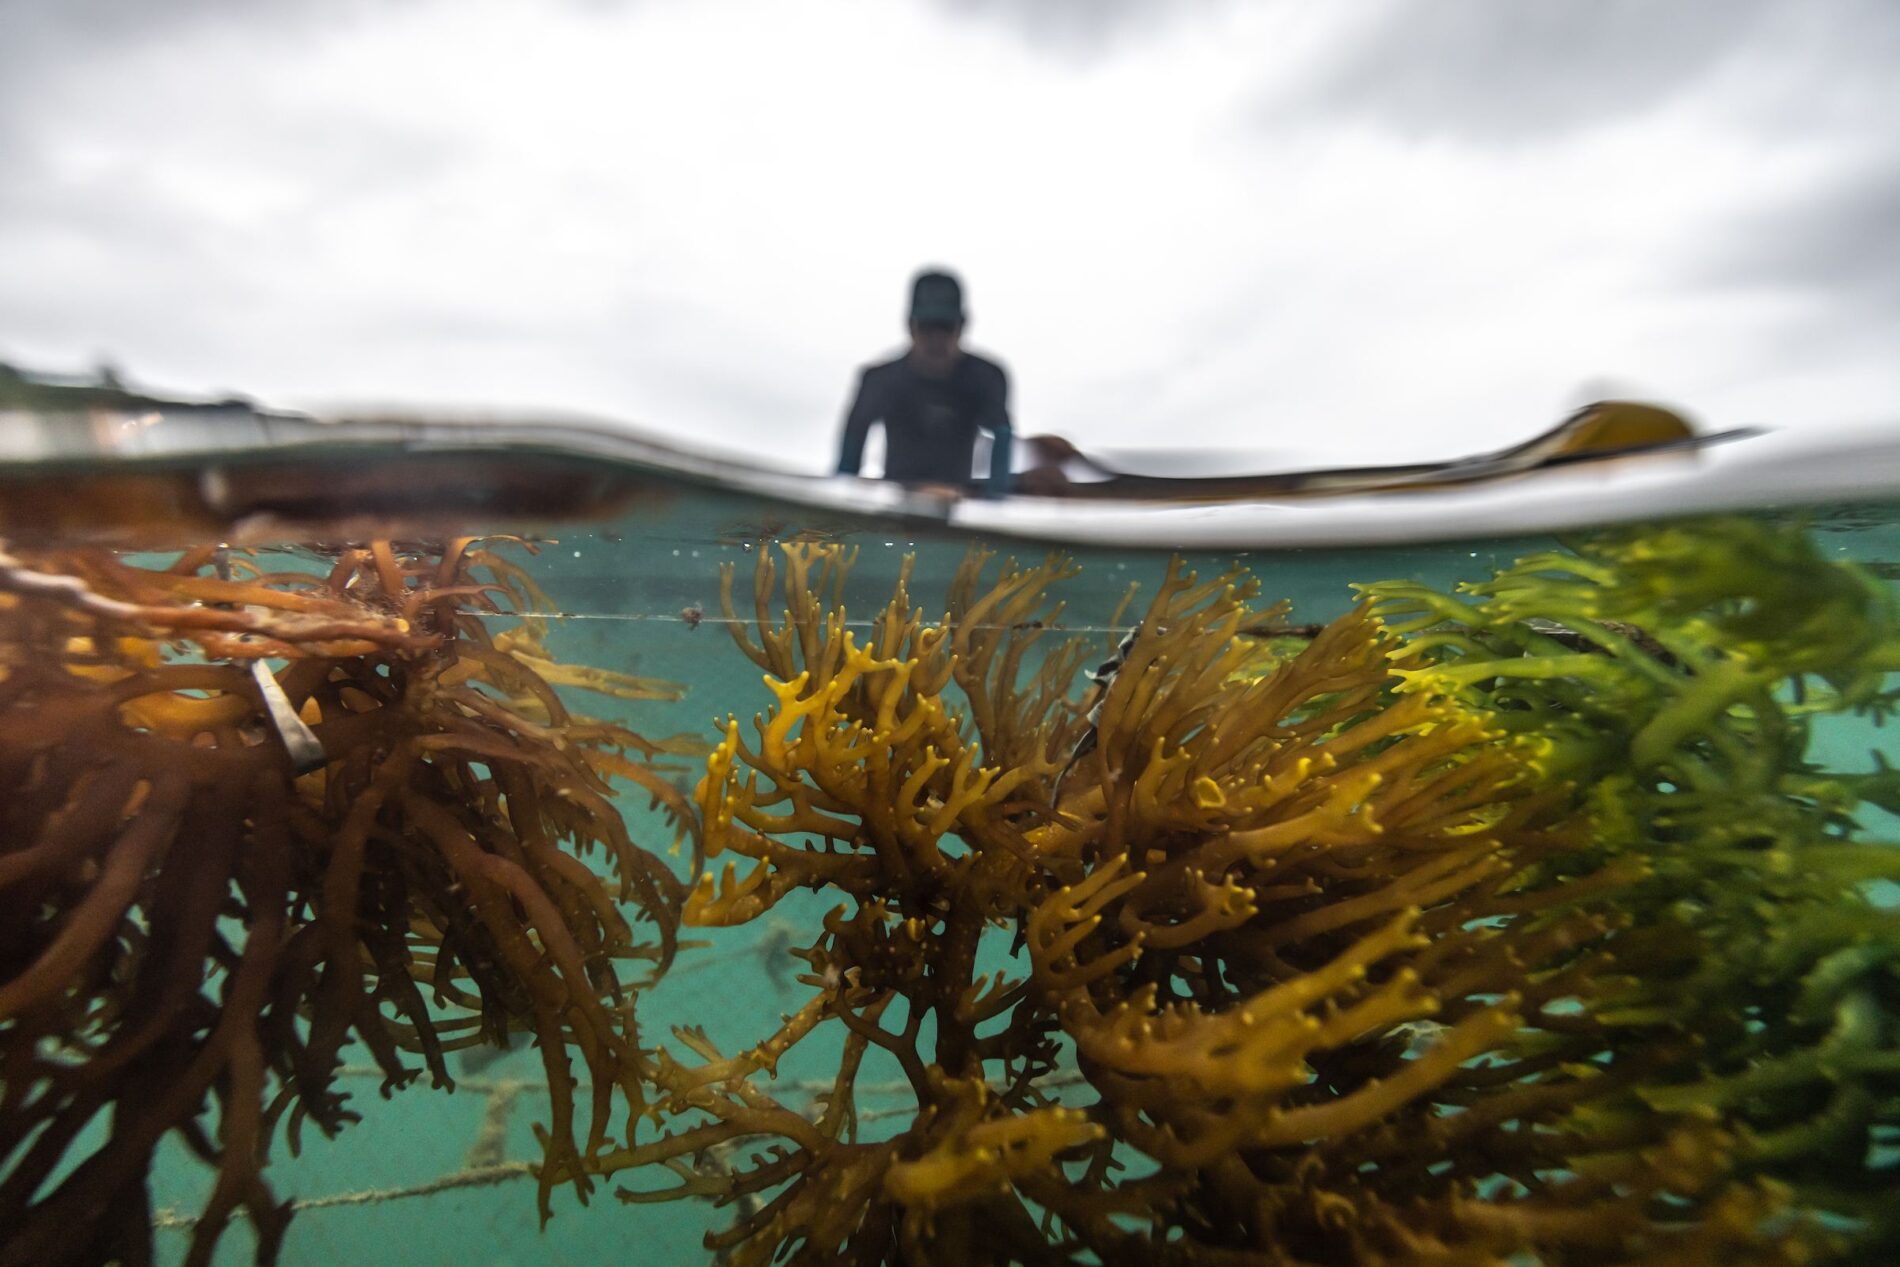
[191, 931]
[1509, 925]
[1504, 926]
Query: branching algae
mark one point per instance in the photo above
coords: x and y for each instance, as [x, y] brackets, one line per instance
[1501, 927]
[190, 931]
[1514, 925]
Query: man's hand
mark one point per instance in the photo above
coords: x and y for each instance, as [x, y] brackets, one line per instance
[936, 490]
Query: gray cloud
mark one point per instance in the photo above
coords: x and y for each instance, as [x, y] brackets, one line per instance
[1077, 28]
[1519, 72]
[1838, 243]
[115, 23]
[45, 44]
[45, 40]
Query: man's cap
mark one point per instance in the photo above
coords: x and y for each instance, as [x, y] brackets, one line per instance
[936, 297]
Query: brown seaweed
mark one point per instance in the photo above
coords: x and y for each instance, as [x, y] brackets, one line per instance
[191, 931]
[1397, 946]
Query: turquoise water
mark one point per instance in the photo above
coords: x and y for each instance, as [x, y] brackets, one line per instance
[428, 1177]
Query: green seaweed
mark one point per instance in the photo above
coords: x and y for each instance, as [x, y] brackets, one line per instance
[1687, 730]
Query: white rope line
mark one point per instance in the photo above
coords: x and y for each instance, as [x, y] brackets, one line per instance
[676, 618]
[502, 1093]
[1064, 1078]
[476, 1177]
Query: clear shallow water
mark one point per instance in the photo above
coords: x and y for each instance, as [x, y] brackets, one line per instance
[428, 1177]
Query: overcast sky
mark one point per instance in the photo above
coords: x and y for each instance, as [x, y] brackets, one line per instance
[1357, 231]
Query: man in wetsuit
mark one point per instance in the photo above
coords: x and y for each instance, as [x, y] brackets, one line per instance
[933, 400]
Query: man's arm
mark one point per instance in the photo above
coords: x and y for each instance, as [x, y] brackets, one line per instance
[996, 421]
[857, 425]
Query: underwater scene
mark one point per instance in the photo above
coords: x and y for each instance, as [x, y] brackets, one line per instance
[727, 883]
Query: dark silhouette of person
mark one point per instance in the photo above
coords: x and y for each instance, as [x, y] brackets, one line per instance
[933, 400]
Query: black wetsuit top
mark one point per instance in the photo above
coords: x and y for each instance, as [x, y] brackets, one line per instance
[930, 424]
